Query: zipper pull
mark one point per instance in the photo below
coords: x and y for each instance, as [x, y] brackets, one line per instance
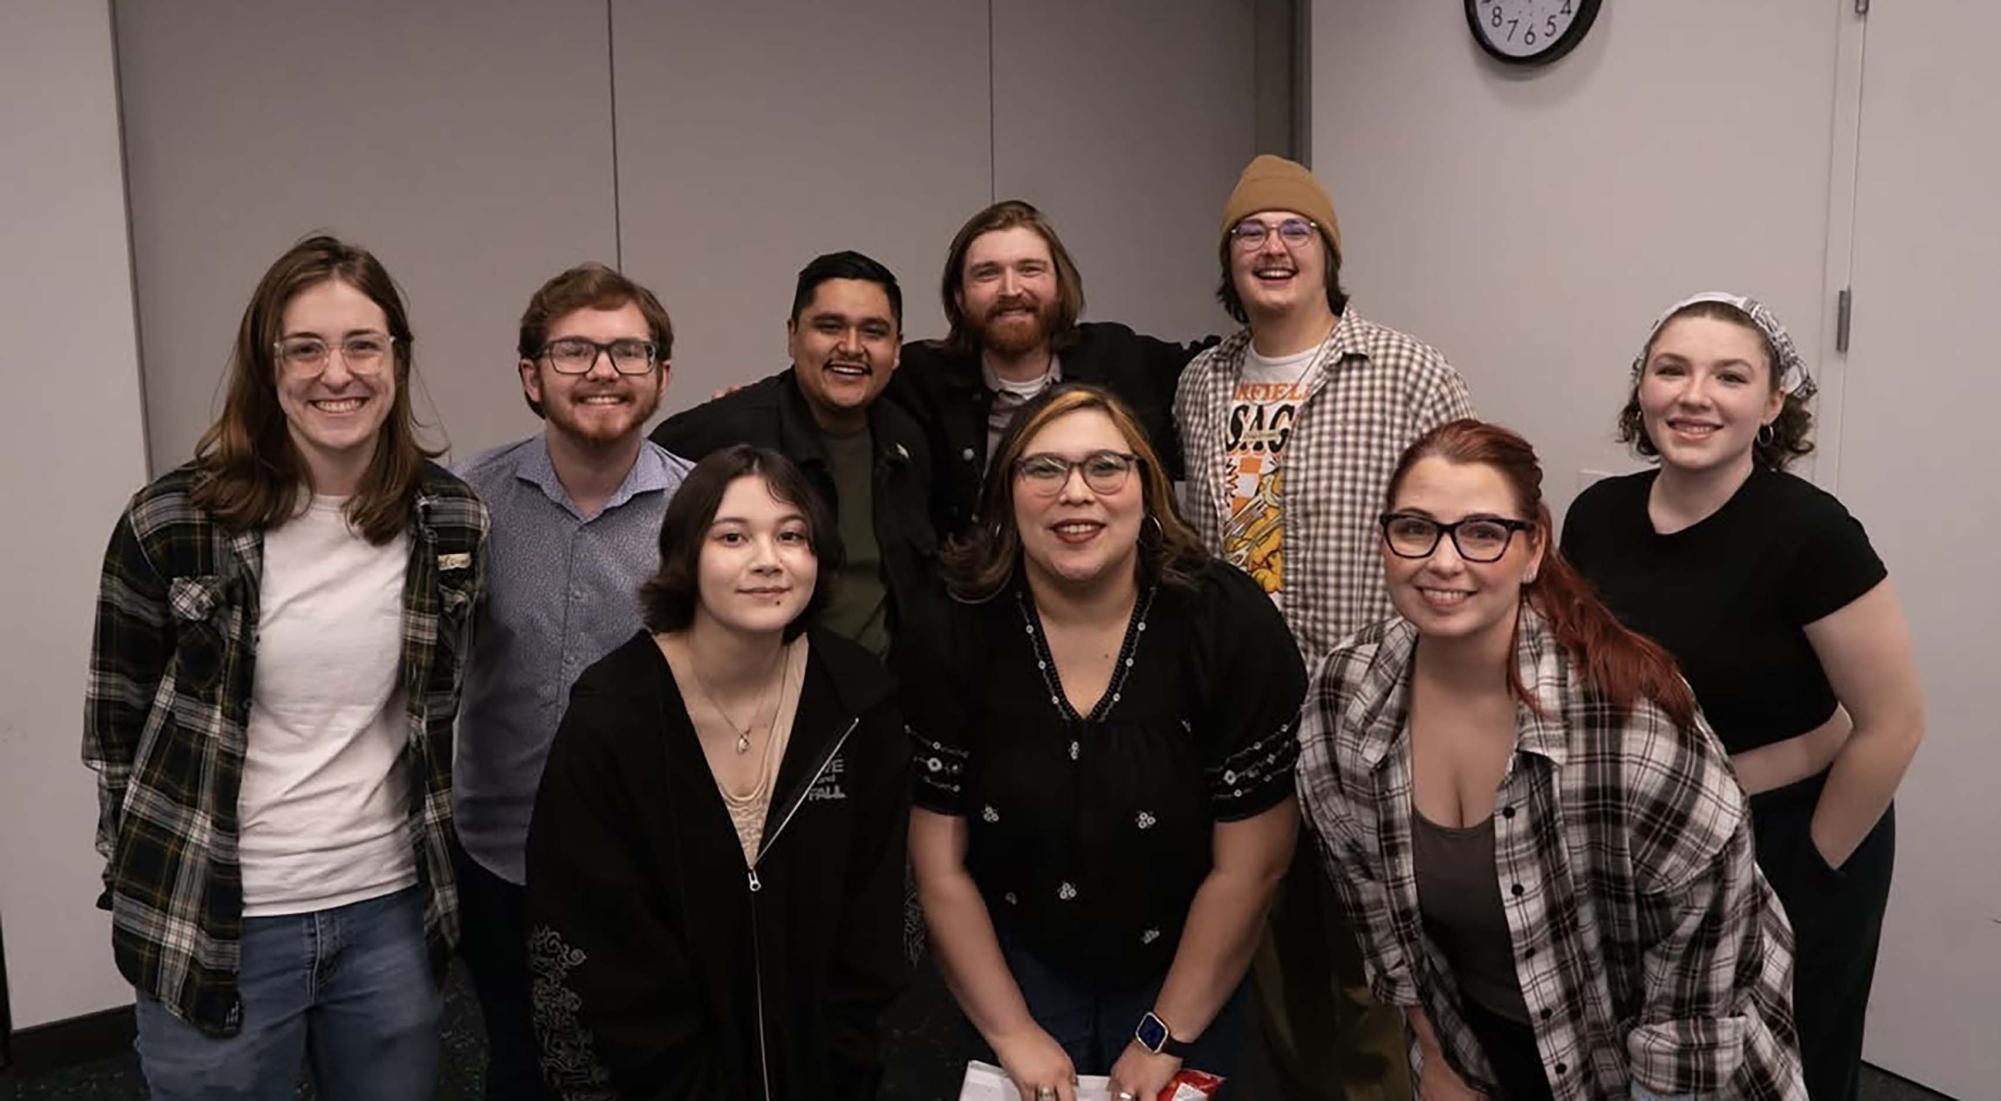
[756, 884]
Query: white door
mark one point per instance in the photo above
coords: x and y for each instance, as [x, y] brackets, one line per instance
[1918, 464]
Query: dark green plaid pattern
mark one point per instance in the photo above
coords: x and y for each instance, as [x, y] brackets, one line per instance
[166, 714]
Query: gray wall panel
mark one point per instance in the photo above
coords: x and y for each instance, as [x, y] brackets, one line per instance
[1127, 122]
[468, 146]
[754, 136]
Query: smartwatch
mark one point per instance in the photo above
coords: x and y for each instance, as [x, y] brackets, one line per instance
[1154, 1035]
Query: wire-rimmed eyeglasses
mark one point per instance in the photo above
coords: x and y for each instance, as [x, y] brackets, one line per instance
[1104, 471]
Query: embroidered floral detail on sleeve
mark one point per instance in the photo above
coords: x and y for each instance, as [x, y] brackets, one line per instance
[1253, 766]
[568, 1057]
[1144, 820]
[989, 814]
[939, 767]
[1067, 891]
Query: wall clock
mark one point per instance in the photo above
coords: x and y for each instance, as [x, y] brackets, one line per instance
[1529, 32]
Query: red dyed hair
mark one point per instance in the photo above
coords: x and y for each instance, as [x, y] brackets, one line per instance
[1618, 663]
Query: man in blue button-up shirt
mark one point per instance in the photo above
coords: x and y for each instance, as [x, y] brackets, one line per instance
[576, 516]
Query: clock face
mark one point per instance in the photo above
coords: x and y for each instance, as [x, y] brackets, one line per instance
[1529, 32]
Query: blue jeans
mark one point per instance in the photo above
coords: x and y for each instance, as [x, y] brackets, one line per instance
[1093, 1026]
[348, 990]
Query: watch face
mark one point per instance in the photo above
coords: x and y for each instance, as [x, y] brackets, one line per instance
[1529, 32]
[1151, 1033]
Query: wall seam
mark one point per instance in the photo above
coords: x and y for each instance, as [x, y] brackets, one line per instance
[993, 184]
[611, 81]
[131, 246]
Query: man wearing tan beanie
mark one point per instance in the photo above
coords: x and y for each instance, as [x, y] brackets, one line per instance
[1289, 429]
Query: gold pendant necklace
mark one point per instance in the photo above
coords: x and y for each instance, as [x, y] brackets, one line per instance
[742, 730]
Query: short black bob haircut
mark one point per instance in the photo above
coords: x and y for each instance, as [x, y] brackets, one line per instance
[667, 600]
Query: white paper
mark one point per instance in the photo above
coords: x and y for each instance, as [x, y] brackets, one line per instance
[986, 1082]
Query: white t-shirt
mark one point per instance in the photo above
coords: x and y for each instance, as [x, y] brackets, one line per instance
[1010, 396]
[1268, 393]
[324, 808]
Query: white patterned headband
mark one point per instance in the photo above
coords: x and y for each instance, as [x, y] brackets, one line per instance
[1793, 377]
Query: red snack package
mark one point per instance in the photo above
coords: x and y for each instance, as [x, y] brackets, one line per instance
[1191, 1085]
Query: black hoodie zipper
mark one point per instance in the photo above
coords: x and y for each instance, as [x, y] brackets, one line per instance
[756, 885]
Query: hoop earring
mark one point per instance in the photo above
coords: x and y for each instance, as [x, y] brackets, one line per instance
[1766, 434]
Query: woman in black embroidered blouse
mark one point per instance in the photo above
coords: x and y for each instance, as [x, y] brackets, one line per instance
[1104, 738]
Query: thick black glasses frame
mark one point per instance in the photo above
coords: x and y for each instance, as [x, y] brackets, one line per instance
[1440, 531]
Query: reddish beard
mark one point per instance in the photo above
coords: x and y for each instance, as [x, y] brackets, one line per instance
[1014, 334]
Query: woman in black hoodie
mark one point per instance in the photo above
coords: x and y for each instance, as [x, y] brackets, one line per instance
[715, 869]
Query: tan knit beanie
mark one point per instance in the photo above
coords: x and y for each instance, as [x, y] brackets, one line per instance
[1274, 183]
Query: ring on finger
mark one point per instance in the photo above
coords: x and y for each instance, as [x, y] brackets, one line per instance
[1045, 1093]
[1128, 1095]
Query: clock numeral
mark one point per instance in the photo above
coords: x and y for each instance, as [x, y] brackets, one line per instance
[1566, 8]
[1549, 27]
[1529, 38]
[1512, 24]
[1496, 21]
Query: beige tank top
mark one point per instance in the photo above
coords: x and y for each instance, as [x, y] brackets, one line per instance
[748, 808]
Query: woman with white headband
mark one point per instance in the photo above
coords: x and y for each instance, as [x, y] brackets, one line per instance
[1781, 615]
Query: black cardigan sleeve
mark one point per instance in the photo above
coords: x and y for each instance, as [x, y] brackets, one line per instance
[614, 994]
[870, 968]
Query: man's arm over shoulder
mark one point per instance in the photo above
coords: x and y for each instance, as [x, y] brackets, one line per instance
[740, 416]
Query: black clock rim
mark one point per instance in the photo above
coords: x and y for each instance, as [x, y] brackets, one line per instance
[1587, 13]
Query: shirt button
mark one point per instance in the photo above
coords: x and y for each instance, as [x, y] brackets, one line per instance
[967, 454]
[1519, 890]
[1507, 812]
[1546, 1014]
[1528, 954]
[1562, 1068]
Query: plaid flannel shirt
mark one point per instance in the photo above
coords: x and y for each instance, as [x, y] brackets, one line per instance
[166, 723]
[1653, 956]
[1371, 393]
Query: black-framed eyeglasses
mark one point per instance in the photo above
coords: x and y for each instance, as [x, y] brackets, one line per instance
[363, 353]
[1476, 538]
[573, 355]
[1250, 233]
[1104, 471]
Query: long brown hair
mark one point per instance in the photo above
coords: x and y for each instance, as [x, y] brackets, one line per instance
[250, 472]
[1007, 214]
[1622, 666]
[981, 563]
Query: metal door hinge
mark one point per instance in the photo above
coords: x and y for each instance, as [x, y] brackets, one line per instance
[1844, 312]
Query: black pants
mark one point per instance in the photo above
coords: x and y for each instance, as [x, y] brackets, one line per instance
[493, 941]
[1837, 919]
[1320, 1033]
[1511, 1052]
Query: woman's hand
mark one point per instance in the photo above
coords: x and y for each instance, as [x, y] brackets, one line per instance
[1440, 1082]
[1038, 1066]
[1142, 1074]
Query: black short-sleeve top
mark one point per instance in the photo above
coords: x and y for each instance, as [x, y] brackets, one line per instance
[1089, 834]
[1729, 596]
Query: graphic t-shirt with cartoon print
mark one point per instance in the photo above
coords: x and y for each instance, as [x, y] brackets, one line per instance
[1268, 394]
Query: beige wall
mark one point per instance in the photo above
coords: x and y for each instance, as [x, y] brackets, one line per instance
[73, 450]
[1533, 222]
[712, 149]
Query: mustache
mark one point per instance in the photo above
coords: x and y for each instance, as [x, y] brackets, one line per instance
[1014, 302]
